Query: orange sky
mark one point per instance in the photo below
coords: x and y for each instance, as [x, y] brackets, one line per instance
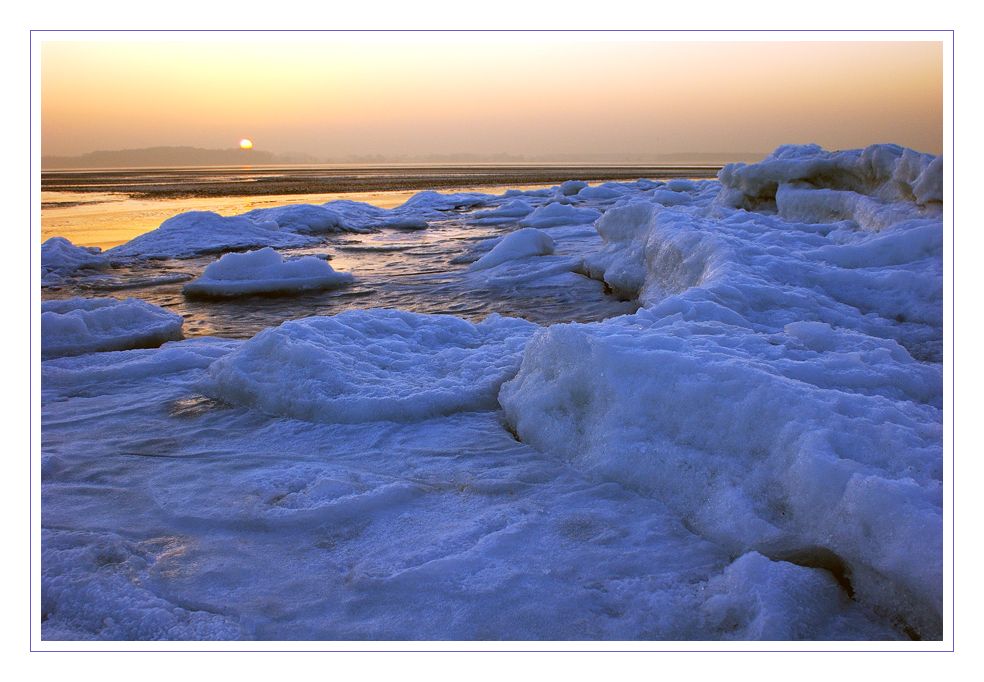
[403, 96]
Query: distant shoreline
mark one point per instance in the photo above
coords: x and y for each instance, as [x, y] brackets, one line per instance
[219, 181]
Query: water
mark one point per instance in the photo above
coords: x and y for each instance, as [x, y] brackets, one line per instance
[108, 207]
[413, 271]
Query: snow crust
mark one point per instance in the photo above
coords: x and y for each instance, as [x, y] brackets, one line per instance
[264, 272]
[87, 325]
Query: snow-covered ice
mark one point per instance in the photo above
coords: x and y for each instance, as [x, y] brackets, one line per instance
[87, 325]
[264, 272]
[60, 257]
[555, 214]
[522, 243]
[197, 232]
[753, 453]
[374, 365]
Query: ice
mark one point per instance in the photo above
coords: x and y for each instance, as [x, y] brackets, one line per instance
[372, 365]
[436, 201]
[200, 232]
[571, 187]
[603, 192]
[555, 214]
[780, 388]
[508, 213]
[300, 218]
[247, 526]
[522, 243]
[59, 256]
[86, 325]
[876, 187]
[752, 451]
[264, 272]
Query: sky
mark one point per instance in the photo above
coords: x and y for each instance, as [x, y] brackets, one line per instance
[400, 95]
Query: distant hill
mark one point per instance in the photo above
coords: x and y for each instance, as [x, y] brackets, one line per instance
[157, 157]
[164, 157]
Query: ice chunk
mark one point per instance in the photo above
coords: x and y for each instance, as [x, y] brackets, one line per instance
[264, 272]
[198, 232]
[555, 214]
[522, 243]
[604, 192]
[300, 218]
[900, 181]
[571, 187]
[86, 325]
[507, 213]
[670, 198]
[435, 201]
[373, 365]
[62, 256]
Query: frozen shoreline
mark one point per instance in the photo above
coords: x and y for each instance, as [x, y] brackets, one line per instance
[755, 454]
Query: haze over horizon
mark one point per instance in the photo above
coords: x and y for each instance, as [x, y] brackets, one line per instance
[403, 97]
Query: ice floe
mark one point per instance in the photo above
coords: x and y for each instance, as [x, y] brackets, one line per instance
[86, 325]
[556, 214]
[519, 244]
[264, 272]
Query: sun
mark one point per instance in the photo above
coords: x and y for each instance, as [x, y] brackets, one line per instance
[245, 143]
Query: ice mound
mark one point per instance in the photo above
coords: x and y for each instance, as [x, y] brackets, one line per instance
[606, 191]
[435, 201]
[522, 243]
[555, 214]
[373, 365]
[571, 187]
[264, 272]
[300, 218]
[757, 442]
[781, 387]
[87, 325]
[59, 256]
[510, 212]
[876, 186]
[762, 600]
[199, 232]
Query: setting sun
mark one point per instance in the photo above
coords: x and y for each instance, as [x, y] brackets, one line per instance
[245, 143]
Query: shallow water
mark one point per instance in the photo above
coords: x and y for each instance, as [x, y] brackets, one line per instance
[393, 269]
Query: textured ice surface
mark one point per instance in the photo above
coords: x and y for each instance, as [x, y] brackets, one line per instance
[372, 365]
[756, 453]
[87, 325]
[264, 272]
[780, 389]
[182, 517]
